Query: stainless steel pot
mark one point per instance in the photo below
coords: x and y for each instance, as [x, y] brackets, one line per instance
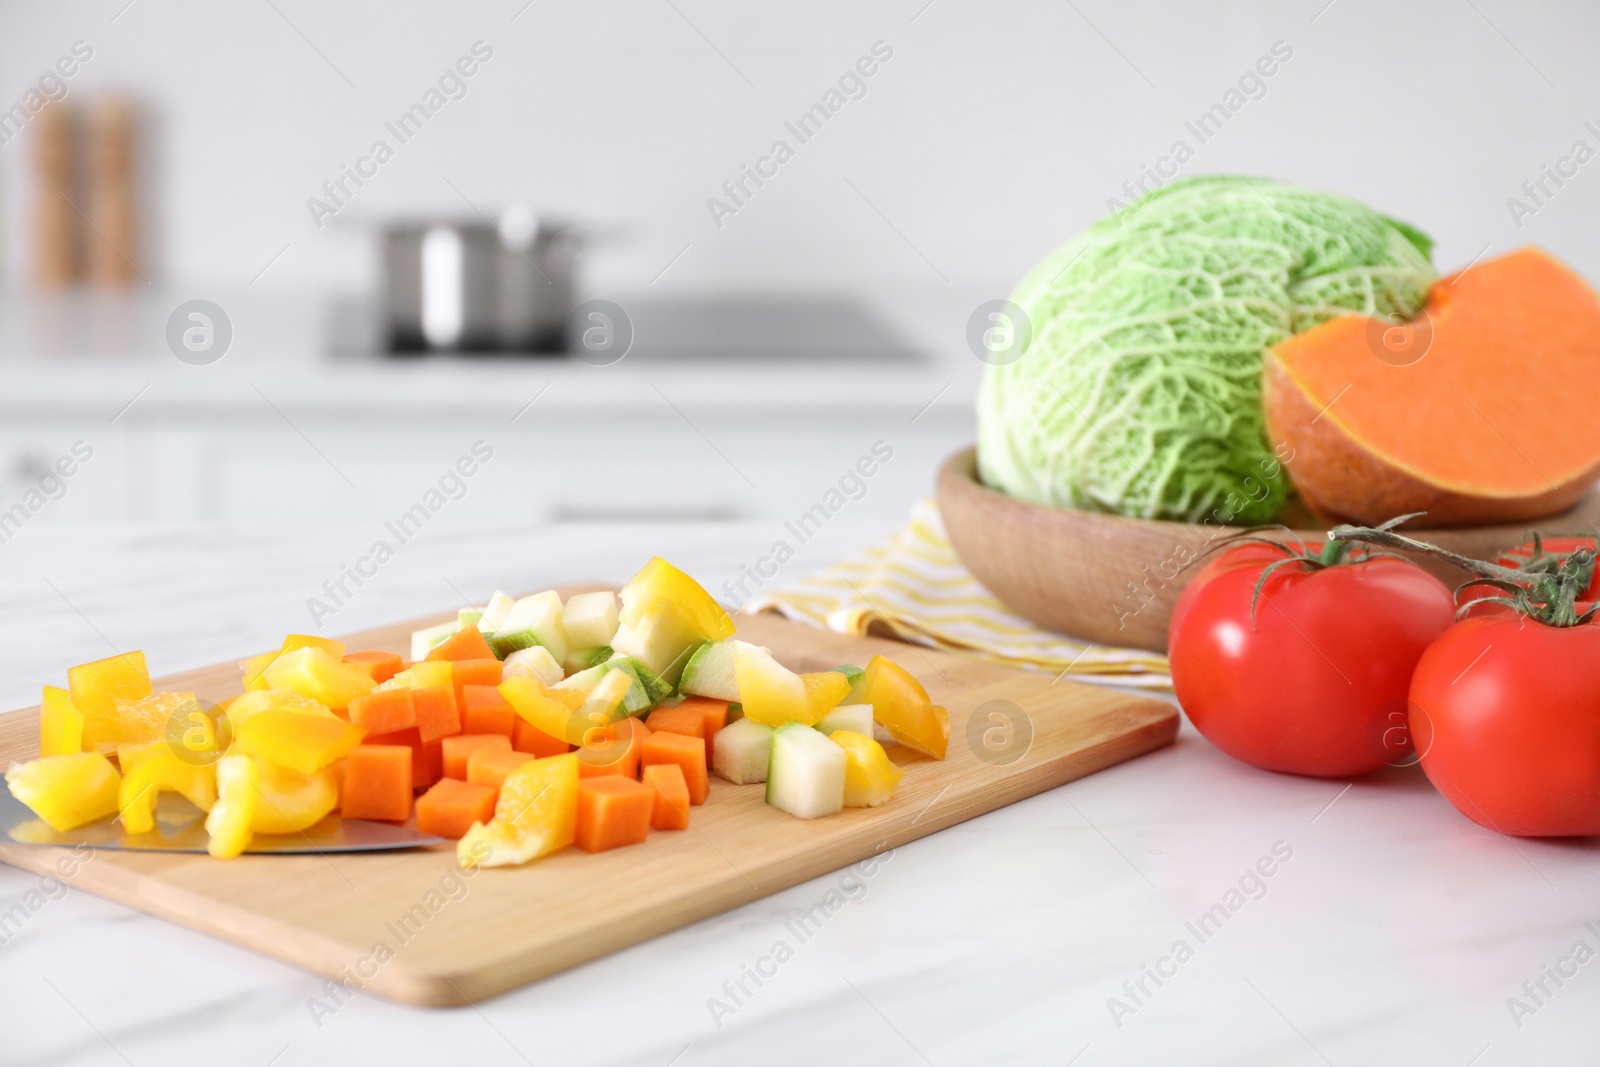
[472, 286]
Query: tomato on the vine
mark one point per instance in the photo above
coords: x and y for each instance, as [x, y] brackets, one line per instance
[1505, 706]
[1505, 713]
[1301, 662]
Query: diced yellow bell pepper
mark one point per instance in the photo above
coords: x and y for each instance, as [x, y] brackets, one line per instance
[658, 581]
[304, 743]
[549, 710]
[424, 674]
[537, 814]
[824, 691]
[773, 695]
[67, 791]
[254, 668]
[870, 777]
[231, 816]
[770, 693]
[60, 724]
[665, 616]
[150, 769]
[256, 701]
[159, 716]
[289, 802]
[315, 673]
[327, 644]
[97, 687]
[194, 734]
[902, 706]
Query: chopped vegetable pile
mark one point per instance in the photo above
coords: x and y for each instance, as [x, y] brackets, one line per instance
[526, 726]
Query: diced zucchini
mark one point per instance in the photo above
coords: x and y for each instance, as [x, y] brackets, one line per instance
[856, 718]
[584, 680]
[609, 697]
[636, 700]
[858, 685]
[495, 612]
[581, 659]
[591, 619]
[740, 751]
[662, 640]
[536, 662]
[425, 640]
[633, 698]
[468, 617]
[805, 773]
[533, 620]
[655, 690]
[710, 673]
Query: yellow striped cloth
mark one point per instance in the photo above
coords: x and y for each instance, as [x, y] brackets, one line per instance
[915, 587]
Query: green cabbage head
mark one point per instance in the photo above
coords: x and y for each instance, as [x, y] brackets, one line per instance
[1140, 393]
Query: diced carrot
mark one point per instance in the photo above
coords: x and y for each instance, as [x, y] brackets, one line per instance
[465, 672]
[381, 665]
[426, 764]
[698, 717]
[677, 720]
[485, 711]
[615, 751]
[437, 714]
[491, 766]
[383, 711]
[459, 748]
[466, 643]
[687, 752]
[686, 719]
[612, 811]
[450, 808]
[529, 738]
[429, 765]
[377, 783]
[671, 811]
[716, 717]
[409, 737]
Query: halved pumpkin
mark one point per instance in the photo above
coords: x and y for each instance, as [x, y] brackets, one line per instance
[1485, 408]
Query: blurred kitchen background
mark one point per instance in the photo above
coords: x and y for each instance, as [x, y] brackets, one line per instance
[787, 309]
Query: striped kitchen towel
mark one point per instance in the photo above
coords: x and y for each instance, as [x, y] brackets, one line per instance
[915, 587]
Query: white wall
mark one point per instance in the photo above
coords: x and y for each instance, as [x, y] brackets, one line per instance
[996, 130]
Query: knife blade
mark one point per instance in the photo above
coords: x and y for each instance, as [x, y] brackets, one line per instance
[180, 827]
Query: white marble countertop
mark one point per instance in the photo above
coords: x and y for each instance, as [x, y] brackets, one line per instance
[1391, 929]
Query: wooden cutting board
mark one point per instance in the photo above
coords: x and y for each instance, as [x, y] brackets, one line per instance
[409, 926]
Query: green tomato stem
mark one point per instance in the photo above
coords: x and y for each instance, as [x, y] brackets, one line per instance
[1547, 595]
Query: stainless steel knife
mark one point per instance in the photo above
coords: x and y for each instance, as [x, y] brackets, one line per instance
[180, 827]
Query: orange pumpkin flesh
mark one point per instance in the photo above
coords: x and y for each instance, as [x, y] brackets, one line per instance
[1483, 409]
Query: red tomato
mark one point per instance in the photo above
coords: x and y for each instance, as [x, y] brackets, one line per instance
[1317, 684]
[1505, 711]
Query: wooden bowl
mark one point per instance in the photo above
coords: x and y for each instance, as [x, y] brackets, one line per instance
[1115, 580]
